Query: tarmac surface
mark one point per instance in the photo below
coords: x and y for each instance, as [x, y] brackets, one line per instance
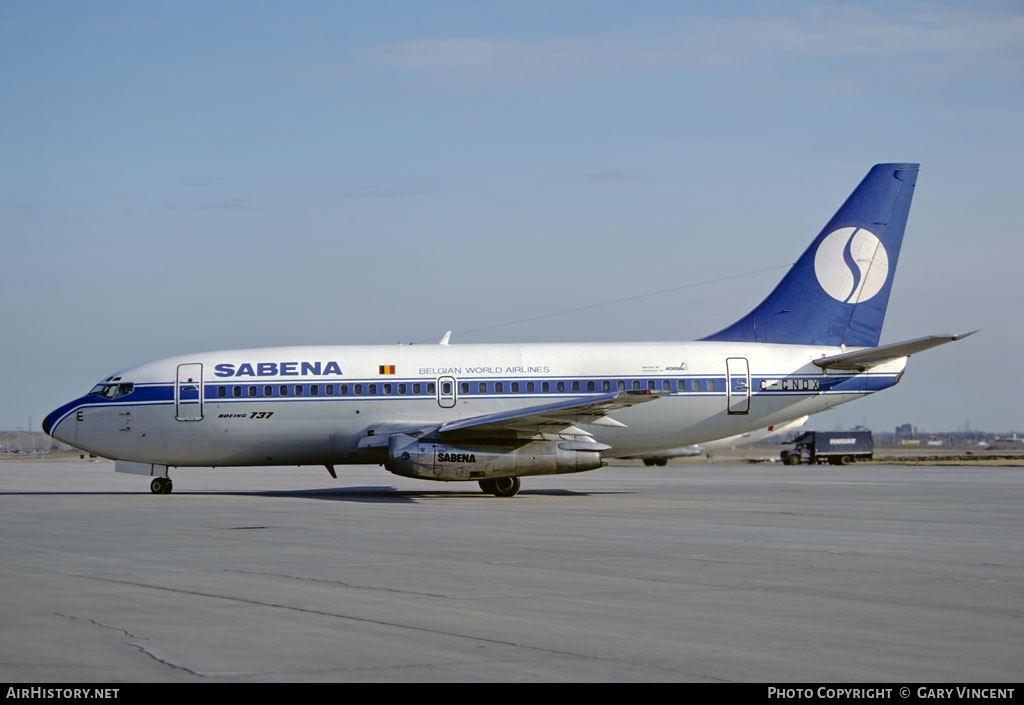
[728, 573]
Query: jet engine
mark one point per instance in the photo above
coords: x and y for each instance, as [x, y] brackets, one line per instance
[481, 460]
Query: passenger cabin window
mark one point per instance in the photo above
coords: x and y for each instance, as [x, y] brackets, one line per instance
[515, 387]
[221, 392]
[464, 387]
[268, 391]
[711, 385]
[531, 387]
[432, 388]
[483, 387]
[416, 387]
[499, 387]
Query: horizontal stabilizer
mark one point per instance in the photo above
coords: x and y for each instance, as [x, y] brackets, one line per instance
[861, 360]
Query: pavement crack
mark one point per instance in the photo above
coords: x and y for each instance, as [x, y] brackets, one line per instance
[339, 583]
[366, 620]
[133, 640]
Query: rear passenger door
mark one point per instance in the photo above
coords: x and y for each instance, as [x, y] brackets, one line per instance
[737, 384]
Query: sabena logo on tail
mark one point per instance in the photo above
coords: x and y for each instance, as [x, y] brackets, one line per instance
[851, 265]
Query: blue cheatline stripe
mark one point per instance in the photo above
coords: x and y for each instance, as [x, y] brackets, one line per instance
[162, 393]
[165, 391]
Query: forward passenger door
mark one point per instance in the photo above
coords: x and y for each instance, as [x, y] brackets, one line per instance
[188, 392]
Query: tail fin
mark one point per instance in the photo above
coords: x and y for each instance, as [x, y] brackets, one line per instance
[838, 290]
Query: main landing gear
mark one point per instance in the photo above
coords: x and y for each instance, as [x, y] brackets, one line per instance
[501, 486]
[161, 485]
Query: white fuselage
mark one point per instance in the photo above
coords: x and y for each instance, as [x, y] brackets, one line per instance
[314, 405]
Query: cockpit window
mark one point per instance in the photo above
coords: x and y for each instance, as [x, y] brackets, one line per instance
[112, 391]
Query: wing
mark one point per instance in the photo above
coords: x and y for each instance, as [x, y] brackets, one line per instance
[593, 410]
[532, 419]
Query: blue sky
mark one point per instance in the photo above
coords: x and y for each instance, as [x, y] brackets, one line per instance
[198, 176]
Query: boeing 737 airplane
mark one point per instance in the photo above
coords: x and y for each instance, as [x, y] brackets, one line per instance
[495, 413]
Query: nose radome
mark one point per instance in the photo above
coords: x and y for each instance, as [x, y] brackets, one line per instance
[46, 425]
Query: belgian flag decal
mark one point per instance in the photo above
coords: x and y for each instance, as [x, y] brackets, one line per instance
[386, 369]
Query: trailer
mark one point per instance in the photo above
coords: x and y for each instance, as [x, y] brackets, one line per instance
[835, 447]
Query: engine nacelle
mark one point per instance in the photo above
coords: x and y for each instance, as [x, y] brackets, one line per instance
[429, 460]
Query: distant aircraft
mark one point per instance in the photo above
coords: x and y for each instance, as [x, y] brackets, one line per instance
[495, 413]
[740, 439]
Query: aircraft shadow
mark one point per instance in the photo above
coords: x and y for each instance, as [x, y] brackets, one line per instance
[372, 494]
[387, 494]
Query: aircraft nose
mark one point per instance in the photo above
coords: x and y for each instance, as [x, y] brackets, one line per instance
[46, 425]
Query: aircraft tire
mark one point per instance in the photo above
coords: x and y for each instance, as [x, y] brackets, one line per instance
[487, 486]
[649, 462]
[506, 486]
[161, 485]
[661, 462]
